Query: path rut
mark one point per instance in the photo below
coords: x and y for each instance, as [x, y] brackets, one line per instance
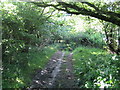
[58, 73]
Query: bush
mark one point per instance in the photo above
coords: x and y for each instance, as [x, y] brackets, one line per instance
[18, 73]
[86, 39]
[95, 68]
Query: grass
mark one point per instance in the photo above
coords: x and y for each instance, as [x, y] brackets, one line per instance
[19, 73]
[96, 68]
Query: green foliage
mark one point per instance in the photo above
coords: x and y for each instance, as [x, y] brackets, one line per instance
[27, 29]
[95, 68]
[112, 37]
[94, 39]
[21, 28]
[18, 74]
[25, 34]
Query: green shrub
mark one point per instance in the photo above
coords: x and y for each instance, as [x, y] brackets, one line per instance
[96, 68]
[18, 73]
[86, 39]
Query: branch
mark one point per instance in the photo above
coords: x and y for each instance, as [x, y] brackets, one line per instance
[104, 12]
[103, 15]
[50, 14]
[42, 11]
[91, 5]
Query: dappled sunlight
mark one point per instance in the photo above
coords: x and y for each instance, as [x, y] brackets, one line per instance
[9, 6]
[19, 80]
[115, 58]
[102, 82]
[52, 48]
[81, 33]
[93, 65]
[47, 57]
[96, 53]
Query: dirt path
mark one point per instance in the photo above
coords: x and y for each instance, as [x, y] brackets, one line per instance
[58, 73]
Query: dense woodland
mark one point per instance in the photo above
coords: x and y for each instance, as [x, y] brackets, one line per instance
[33, 31]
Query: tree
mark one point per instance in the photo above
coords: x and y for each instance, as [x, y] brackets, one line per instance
[101, 11]
[112, 37]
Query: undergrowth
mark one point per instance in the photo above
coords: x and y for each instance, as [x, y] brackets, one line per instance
[18, 74]
[95, 68]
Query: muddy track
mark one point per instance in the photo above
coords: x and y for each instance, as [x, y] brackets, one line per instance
[58, 73]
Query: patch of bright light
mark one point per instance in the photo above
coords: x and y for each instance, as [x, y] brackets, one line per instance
[47, 57]
[9, 6]
[19, 80]
[110, 0]
[3, 0]
[102, 83]
[52, 48]
[113, 57]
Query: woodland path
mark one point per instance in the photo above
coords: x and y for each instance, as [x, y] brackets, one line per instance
[58, 73]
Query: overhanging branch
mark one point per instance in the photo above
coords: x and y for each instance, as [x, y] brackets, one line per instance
[103, 15]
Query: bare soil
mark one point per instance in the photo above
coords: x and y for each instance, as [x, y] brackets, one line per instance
[58, 73]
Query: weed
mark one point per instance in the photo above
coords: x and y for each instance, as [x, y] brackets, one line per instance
[96, 68]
